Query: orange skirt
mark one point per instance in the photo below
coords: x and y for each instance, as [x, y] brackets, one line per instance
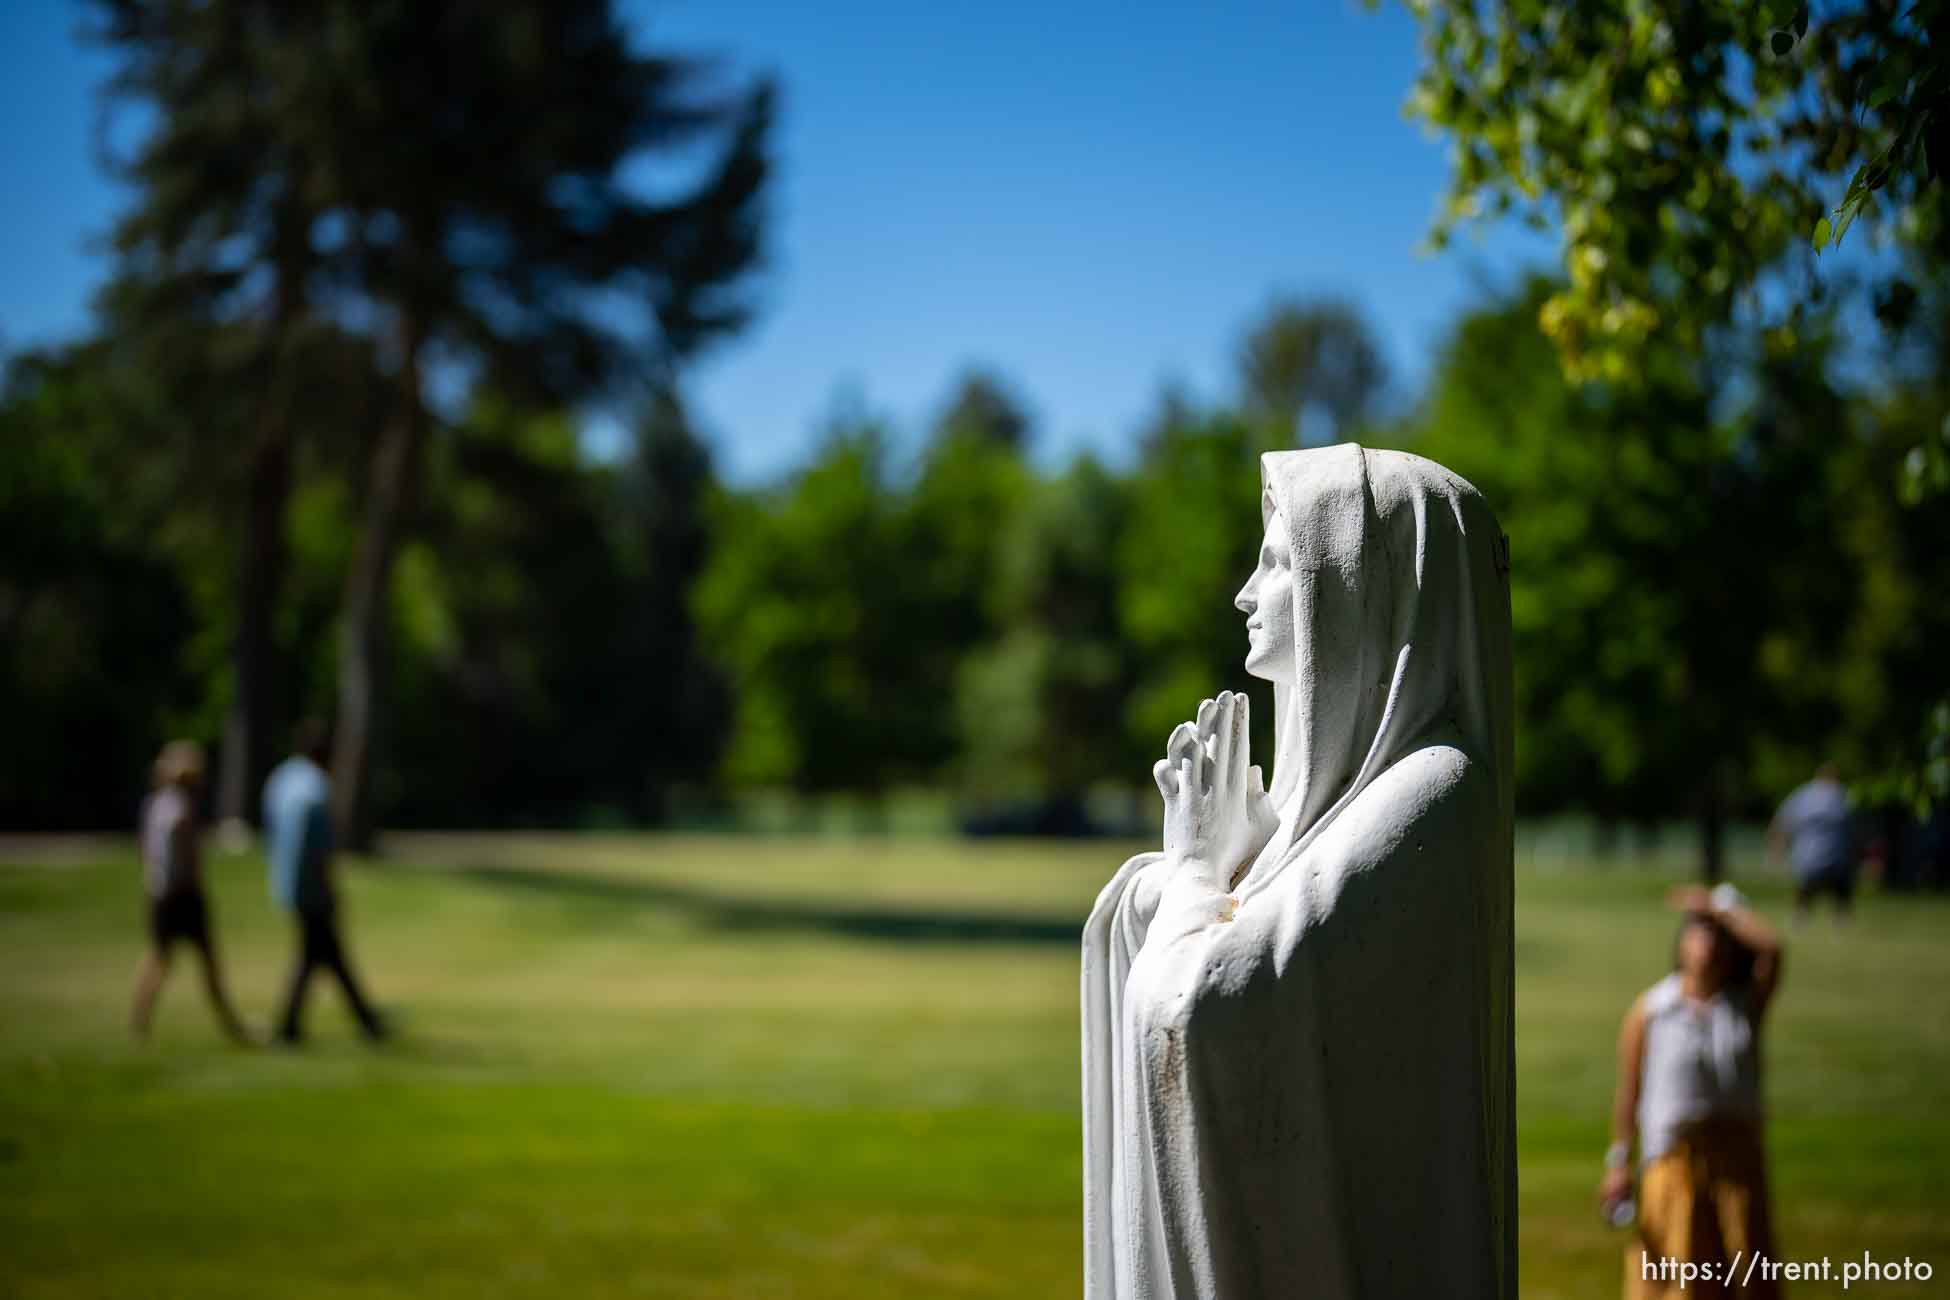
[1703, 1202]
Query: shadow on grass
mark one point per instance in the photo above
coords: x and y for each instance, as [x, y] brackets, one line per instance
[758, 915]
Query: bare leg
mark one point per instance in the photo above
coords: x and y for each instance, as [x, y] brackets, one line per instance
[219, 999]
[148, 983]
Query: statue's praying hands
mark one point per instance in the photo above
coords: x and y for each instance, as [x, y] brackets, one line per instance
[1217, 814]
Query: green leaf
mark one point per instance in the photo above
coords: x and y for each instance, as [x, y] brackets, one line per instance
[1847, 213]
[1822, 232]
[1892, 77]
[1914, 131]
[1855, 184]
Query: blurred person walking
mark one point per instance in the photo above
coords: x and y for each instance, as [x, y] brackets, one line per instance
[298, 851]
[170, 845]
[1689, 1093]
[1813, 827]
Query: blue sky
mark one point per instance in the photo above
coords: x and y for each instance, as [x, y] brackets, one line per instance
[1089, 198]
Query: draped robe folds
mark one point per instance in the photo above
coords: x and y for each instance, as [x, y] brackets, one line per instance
[1314, 1098]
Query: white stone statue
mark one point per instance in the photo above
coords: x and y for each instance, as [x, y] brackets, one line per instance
[1297, 1039]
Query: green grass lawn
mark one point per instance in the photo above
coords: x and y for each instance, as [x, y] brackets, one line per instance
[698, 1066]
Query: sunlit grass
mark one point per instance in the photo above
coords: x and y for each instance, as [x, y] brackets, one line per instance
[706, 1066]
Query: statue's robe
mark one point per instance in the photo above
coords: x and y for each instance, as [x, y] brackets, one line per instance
[1302, 1086]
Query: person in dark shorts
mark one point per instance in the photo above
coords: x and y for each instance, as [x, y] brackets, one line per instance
[172, 878]
[1813, 827]
[298, 851]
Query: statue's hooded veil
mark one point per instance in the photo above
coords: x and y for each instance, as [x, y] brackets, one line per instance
[1315, 1097]
[1402, 624]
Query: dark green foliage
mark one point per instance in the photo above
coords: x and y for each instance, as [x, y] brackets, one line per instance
[465, 183]
[1194, 530]
[799, 606]
[845, 601]
[1690, 156]
[548, 673]
[1684, 152]
[984, 407]
[1310, 355]
[1714, 586]
[1042, 703]
[1704, 584]
[664, 707]
[97, 619]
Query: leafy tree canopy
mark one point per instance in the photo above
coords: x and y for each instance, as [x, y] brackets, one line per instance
[1686, 152]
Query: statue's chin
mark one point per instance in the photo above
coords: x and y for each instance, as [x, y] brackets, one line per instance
[1261, 666]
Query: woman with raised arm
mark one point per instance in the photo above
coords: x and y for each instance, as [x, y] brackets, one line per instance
[1689, 1093]
[1297, 1032]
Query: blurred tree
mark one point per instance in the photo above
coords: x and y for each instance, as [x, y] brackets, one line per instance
[1691, 156]
[1305, 355]
[506, 611]
[226, 195]
[972, 485]
[1679, 591]
[983, 406]
[450, 176]
[147, 418]
[546, 670]
[843, 603]
[474, 161]
[98, 618]
[1894, 684]
[1041, 705]
[1686, 152]
[197, 406]
[665, 715]
[797, 605]
[1500, 413]
[1886, 60]
[1193, 539]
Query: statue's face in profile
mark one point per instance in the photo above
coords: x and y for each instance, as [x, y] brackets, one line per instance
[1267, 601]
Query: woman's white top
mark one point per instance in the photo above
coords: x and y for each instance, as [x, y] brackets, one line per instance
[165, 870]
[1701, 1062]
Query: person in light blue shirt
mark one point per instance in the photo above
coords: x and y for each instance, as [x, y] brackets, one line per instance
[298, 851]
[1813, 828]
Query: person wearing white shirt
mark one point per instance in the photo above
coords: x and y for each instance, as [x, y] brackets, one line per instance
[172, 880]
